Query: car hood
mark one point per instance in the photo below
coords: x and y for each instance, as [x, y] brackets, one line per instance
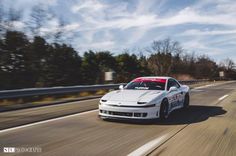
[132, 95]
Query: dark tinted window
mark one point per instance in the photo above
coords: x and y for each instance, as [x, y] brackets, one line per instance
[172, 83]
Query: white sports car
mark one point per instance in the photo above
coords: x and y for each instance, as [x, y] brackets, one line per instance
[145, 98]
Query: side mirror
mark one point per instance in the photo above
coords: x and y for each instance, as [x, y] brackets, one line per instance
[121, 87]
[173, 88]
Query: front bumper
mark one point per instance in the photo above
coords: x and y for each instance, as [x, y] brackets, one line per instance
[126, 112]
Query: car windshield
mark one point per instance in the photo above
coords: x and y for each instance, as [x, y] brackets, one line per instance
[157, 84]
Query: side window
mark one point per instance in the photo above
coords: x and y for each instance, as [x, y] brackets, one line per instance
[176, 84]
[170, 84]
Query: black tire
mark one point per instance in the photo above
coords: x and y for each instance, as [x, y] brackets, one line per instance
[164, 110]
[186, 101]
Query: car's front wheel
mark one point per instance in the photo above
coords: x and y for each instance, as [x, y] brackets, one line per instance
[164, 110]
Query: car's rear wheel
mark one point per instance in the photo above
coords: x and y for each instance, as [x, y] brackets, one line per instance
[186, 101]
[164, 111]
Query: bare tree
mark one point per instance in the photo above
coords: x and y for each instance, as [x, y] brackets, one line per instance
[1, 11]
[13, 16]
[1, 19]
[58, 36]
[7, 20]
[38, 18]
[161, 60]
[228, 64]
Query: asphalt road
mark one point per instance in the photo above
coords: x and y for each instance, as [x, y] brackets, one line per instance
[25, 116]
[206, 128]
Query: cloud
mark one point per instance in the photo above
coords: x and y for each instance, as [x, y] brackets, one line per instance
[71, 27]
[131, 22]
[189, 15]
[15, 25]
[136, 23]
[55, 27]
[93, 5]
[98, 45]
[128, 20]
[119, 16]
[18, 25]
[193, 32]
[202, 47]
[27, 4]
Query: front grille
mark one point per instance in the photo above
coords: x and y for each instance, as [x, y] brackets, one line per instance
[127, 114]
[141, 106]
[121, 113]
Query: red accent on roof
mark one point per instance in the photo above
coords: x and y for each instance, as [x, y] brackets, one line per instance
[149, 80]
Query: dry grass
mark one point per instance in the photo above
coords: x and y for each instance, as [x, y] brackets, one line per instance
[83, 94]
[44, 100]
[101, 92]
[6, 102]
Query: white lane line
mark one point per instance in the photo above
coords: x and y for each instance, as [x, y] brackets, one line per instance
[148, 147]
[214, 84]
[46, 121]
[223, 97]
[210, 85]
[196, 90]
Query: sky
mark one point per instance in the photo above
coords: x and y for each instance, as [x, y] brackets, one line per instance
[203, 26]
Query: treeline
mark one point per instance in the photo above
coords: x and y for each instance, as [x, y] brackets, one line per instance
[28, 63]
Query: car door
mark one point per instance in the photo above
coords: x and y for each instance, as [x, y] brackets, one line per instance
[179, 94]
[174, 97]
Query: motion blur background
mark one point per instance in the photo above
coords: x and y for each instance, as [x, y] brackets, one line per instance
[62, 43]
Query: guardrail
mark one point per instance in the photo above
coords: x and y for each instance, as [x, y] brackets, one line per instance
[63, 90]
[189, 82]
[53, 90]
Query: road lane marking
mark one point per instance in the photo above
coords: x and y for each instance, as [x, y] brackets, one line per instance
[210, 85]
[148, 147]
[197, 90]
[223, 97]
[46, 121]
[213, 85]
